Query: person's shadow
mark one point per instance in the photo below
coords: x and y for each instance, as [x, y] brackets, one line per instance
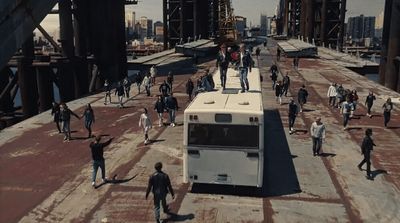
[172, 217]
[375, 173]
[113, 180]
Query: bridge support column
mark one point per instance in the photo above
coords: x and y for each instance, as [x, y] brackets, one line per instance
[6, 102]
[45, 84]
[392, 67]
[65, 80]
[27, 80]
[81, 38]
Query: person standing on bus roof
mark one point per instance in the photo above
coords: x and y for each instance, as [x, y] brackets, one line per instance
[160, 185]
[244, 63]
[317, 131]
[223, 63]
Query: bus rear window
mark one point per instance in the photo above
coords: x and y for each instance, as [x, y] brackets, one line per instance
[223, 135]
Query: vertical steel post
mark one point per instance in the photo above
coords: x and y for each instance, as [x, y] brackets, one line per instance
[45, 84]
[385, 41]
[80, 33]
[391, 76]
[27, 80]
[165, 19]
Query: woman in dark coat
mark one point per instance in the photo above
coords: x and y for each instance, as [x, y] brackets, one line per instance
[89, 119]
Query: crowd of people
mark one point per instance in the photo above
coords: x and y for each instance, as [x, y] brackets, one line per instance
[345, 100]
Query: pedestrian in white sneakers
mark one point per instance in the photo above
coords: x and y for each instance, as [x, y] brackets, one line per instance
[145, 122]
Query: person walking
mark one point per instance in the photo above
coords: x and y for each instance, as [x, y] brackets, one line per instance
[138, 81]
[354, 97]
[346, 108]
[369, 101]
[164, 89]
[172, 106]
[107, 88]
[258, 52]
[332, 94]
[387, 108]
[55, 112]
[222, 64]
[278, 92]
[317, 131]
[120, 92]
[274, 75]
[160, 185]
[340, 95]
[293, 109]
[145, 123]
[65, 116]
[302, 96]
[147, 84]
[295, 63]
[170, 80]
[189, 88]
[153, 74]
[88, 114]
[127, 86]
[278, 54]
[366, 148]
[286, 84]
[97, 149]
[245, 64]
[159, 107]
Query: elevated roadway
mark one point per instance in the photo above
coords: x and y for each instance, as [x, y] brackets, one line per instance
[43, 179]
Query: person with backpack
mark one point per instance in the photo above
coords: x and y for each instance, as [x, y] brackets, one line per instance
[366, 148]
[340, 95]
[164, 89]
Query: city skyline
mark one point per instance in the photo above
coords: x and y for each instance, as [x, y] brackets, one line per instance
[152, 9]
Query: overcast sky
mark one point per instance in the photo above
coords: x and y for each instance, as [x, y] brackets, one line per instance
[251, 9]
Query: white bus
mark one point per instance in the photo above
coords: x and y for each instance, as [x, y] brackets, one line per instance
[224, 134]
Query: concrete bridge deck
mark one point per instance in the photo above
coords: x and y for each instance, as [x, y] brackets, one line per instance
[43, 179]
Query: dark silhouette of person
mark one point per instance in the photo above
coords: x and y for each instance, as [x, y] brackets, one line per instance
[366, 147]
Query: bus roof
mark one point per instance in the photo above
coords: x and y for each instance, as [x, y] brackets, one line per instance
[230, 100]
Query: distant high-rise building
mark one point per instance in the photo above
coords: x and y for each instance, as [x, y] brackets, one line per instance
[241, 25]
[149, 28]
[133, 20]
[143, 27]
[361, 27]
[159, 31]
[379, 25]
[263, 25]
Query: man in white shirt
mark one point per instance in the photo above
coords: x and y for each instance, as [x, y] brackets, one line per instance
[332, 94]
[317, 132]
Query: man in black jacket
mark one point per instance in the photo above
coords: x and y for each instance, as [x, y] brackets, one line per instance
[292, 115]
[97, 149]
[366, 148]
[245, 63]
[222, 63]
[160, 185]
